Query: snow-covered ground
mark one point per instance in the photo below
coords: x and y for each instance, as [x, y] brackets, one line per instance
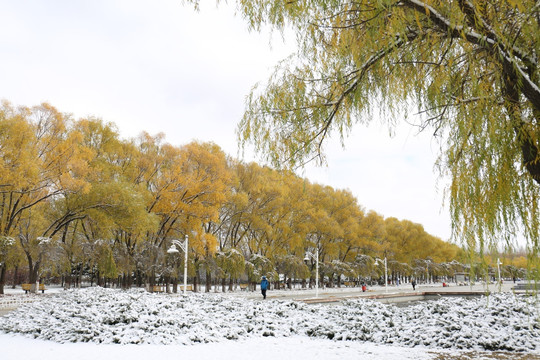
[297, 348]
[148, 325]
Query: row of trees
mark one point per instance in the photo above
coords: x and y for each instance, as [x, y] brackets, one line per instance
[470, 67]
[76, 198]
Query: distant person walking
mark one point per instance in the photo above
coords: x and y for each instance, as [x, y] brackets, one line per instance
[413, 283]
[264, 286]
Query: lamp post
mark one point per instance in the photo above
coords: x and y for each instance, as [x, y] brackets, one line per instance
[184, 246]
[385, 272]
[427, 270]
[499, 272]
[316, 258]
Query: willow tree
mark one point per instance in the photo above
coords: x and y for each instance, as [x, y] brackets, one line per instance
[471, 66]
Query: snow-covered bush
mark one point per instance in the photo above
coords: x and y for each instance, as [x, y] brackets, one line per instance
[500, 322]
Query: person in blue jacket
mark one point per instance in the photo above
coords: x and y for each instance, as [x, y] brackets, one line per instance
[264, 286]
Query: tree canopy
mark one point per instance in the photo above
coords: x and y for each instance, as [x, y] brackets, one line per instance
[469, 66]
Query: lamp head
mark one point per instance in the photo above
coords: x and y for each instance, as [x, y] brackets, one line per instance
[172, 249]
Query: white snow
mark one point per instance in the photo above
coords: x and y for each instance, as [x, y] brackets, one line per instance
[298, 348]
[74, 321]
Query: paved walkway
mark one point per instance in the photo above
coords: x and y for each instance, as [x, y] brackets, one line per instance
[339, 294]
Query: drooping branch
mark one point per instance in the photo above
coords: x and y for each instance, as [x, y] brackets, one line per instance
[517, 78]
[491, 42]
[360, 74]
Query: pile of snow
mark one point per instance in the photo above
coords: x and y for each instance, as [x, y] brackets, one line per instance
[500, 322]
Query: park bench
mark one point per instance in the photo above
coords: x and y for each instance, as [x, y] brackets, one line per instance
[159, 288]
[163, 288]
[526, 286]
[243, 287]
[188, 288]
[28, 287]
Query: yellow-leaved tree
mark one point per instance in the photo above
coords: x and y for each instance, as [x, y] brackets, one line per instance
[41, 165]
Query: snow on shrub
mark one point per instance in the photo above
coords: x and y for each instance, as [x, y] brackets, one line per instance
[500, 322]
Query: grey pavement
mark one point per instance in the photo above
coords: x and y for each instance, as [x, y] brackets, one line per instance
[338, 294]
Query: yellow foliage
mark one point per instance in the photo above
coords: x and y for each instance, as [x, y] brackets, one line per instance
[471, 68]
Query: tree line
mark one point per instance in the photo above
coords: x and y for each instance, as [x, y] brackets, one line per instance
[469, 67]
[76, 199]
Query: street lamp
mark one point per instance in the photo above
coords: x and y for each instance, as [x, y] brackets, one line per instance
[427, 270]
[316, 258]
[385, 272]
[499, 272]
[184, 246]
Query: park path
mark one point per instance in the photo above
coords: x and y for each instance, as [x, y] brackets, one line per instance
[339, 294]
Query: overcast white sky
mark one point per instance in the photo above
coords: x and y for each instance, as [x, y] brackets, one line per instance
[159, 66]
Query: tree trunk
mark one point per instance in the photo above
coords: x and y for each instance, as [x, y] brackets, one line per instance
[138, 278]
[33, 273]
[529, 149]
[151, 279]
[15, 277]
[2, 278]
[208, 280]
[79, 280]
